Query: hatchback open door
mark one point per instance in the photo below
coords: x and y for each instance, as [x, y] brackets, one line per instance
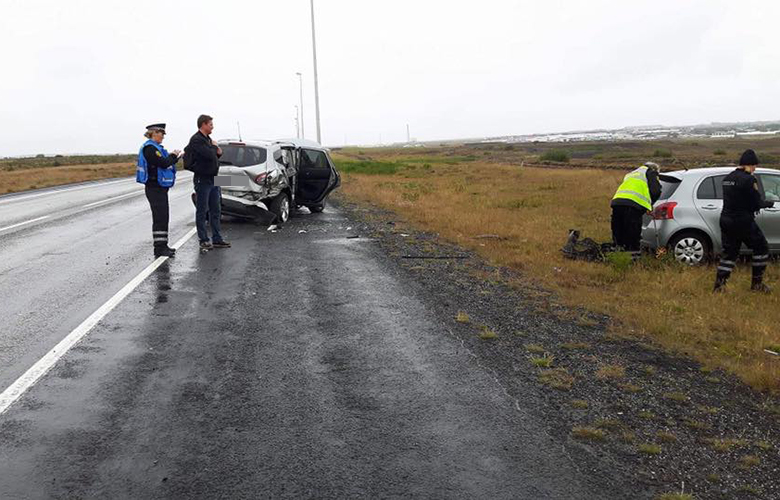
[317, 177]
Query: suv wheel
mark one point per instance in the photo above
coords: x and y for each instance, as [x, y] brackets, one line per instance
[281, 207]
[690, 248]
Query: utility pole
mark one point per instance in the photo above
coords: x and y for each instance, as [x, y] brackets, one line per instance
[238, 124]
[303, 121]
[297, 123]
[316, 81]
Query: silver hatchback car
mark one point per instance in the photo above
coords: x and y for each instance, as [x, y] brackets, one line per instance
[686, 219]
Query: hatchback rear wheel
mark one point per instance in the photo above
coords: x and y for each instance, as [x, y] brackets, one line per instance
[690, 248]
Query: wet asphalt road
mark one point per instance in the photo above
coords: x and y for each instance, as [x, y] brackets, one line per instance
[292, 365]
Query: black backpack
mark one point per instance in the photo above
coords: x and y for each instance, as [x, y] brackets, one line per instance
[187, 160]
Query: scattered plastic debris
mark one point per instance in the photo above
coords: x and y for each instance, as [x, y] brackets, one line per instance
[403, 235]
[302, 231]
[273, 228]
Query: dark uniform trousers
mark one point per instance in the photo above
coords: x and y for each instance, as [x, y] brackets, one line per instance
[735, 232]
[627, 228]
[158, 201]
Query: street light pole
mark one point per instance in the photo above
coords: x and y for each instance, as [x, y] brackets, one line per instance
[297, 123]
[303, 127]
[316, 82]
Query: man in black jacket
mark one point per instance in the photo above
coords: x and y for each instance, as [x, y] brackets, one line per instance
[741, 201]
[202, 158]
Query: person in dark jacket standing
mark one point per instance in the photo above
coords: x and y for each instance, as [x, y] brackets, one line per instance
[741, 201]
[634, 198]
[202, 158]
[156, 170]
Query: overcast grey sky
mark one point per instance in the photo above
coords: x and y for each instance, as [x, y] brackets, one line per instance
[87, 76]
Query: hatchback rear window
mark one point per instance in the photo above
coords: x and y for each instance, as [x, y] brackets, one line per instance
[669, 185]
[711, 188]
[242, 156]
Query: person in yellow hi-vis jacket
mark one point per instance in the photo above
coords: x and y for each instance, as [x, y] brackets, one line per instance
[634, 198]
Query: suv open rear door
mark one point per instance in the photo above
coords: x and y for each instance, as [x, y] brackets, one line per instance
[317, 176]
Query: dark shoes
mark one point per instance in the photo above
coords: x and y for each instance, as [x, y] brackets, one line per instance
[760, 287]
[221, 244]
[206, 245]
[720, 282]
[164, 252]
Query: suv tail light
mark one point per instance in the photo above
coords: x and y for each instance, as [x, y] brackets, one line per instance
[664, 211]
[261, 178]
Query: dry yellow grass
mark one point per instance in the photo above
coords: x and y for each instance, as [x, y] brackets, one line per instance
[531, 210]
[34, 178]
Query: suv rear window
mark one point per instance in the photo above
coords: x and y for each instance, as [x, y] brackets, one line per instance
[669, 185]
[242, 156]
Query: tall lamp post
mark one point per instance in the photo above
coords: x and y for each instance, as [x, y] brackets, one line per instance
[316, 82]
[297, 123]
[303, 127]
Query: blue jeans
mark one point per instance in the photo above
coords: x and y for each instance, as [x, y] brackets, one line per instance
[208, 198]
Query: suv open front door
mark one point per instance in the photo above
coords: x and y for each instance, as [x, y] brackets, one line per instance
[317, 177]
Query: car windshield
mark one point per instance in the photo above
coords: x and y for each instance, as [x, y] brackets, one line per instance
[669, 185]
[242, 156]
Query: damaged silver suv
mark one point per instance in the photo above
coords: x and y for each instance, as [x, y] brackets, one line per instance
[265, 180]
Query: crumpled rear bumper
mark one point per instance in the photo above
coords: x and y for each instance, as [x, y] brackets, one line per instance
[242, 207]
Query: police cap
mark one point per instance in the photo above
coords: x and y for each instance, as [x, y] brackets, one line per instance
[156, 126]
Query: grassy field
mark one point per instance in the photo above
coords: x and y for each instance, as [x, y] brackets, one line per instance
[466, 192]
[22, 174]
[602, 155]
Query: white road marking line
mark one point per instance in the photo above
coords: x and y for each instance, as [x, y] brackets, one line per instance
[12, 199]
[115, 198]
[90, 206]
[43, 365]
[23, 223]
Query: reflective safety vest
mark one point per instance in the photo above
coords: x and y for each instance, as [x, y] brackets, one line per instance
[635, 188]
[166, 177]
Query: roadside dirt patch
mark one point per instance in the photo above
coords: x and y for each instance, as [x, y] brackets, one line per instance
[663, 420]
[14, 181]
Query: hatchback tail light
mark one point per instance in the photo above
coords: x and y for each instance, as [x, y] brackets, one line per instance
[261, 178]
[664, 211]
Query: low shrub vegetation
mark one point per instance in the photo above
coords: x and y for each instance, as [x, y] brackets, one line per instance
[557, 155]
[662, 153]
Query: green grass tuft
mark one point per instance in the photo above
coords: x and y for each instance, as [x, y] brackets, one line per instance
[545, 361]
[557, 378]
[487, 334]
[649, 449]
[588, 433]
[559, 155]
[534, 348]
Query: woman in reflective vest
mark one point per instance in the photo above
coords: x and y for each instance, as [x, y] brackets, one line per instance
[634, 198]
[157, 170]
